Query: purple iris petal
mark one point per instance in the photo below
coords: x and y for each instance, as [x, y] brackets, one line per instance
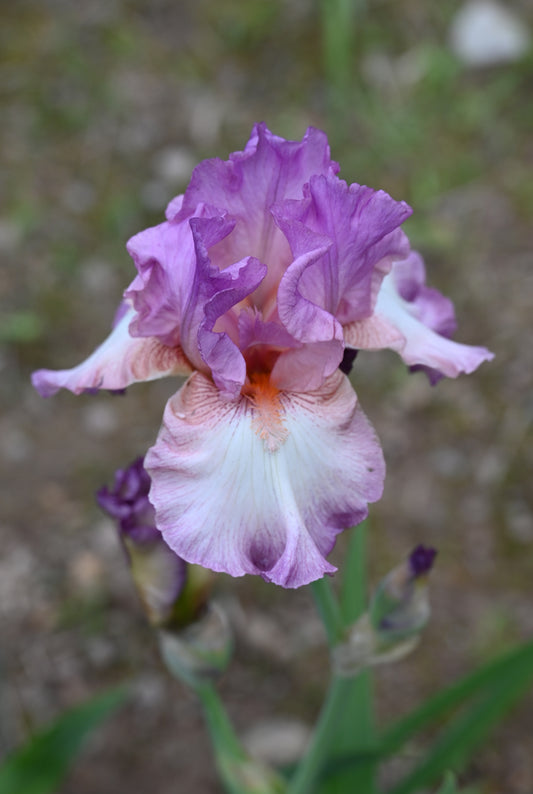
[247, 186]
[214, 293]
[128, 503]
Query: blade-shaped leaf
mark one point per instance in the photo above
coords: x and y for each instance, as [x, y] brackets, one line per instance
[458, 741]
[489, 677]
[39, 766]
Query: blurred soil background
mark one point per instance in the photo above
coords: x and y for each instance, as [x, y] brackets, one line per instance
[105, 109]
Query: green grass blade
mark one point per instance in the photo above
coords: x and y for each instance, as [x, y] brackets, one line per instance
[468, 730]
[443, 703]
[39, 766]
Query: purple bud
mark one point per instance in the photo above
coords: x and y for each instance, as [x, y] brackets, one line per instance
[127, 502]
[421, 560]
[158, 572]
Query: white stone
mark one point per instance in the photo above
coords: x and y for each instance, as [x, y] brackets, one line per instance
[484, 33]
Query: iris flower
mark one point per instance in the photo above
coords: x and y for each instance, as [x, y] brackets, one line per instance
[264, 273]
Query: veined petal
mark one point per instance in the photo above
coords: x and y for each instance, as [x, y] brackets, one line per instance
[263, 485]
[305, 368]
[213, 294]
[318, 331]
[416, 327]
[269, 170]
[423, 346]
[363, 229]
[165, 259]
[118, 362]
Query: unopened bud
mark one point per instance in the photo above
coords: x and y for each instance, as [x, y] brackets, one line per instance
[172, 592]
[201, 651]
[400, 606]
[398, 612]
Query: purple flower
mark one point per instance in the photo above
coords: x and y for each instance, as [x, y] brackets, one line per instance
[266, 270]
[158, 572]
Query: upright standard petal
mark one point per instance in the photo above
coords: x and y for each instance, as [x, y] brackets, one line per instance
[363, 229]
[416, 321]
[165, 258]
[344, 240]
[281, 516]
[118, 362]
[214, 293]
[247, 185]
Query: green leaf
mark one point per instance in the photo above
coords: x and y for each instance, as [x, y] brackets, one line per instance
[459, 740]
[491, 677]
[39, 766]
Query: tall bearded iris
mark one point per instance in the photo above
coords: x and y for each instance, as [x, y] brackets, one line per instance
[264, 272]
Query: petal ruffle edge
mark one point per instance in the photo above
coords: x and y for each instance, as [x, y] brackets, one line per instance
[263, 486]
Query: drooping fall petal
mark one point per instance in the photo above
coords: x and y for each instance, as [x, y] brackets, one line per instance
[120, 361]
[281, 517]
[415, 320]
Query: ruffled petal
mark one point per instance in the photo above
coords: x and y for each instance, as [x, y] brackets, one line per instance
[120, 361]
[363, 229]
[247, 185]
[317, 330]
[254, 331]
[214, 293]
[416, 326]
[263, 485]
[165, 258]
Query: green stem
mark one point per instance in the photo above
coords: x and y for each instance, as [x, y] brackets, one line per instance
[355, 731]
[353, 590]
[345, 727]
[307, 773]
[329, 610]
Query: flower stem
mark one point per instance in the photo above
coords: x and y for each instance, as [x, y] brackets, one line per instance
[305, 778]
[329, 610]
[354, 731]
[345, 727]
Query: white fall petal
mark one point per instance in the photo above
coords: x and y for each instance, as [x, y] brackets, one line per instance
[120, 360]
[264, 484]
[395, 324]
